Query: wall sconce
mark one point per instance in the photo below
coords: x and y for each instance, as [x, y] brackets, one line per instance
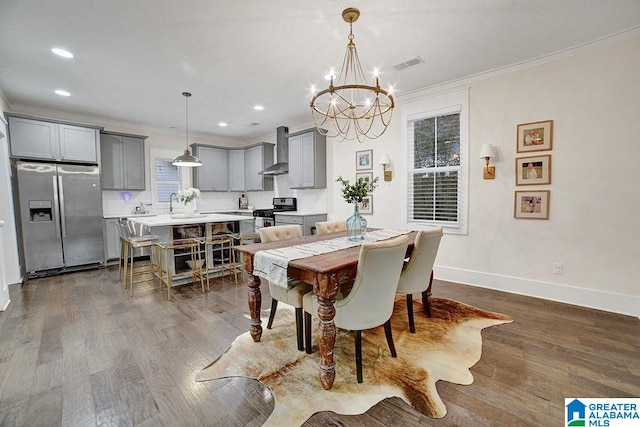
[385, 162]
[486, 151]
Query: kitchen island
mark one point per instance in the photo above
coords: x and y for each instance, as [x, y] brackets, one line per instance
[179, 226]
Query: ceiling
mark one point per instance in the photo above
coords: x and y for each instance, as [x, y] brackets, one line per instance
[133, 59]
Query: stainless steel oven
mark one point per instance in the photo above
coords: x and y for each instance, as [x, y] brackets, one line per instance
[267, 217]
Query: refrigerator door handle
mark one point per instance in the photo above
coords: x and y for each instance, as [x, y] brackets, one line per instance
[63, 217]
[56, 206]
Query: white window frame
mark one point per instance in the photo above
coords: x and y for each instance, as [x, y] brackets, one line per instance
[439, 105]
[184, 174]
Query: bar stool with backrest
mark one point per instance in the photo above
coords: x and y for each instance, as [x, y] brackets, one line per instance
[326, 227]
[413, 278]
[220, 258]
[136, 236]
[369, 303]
[190, 248]
[295, 289]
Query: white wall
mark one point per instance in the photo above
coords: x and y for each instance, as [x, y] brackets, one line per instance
[593, 99]
[7, 233]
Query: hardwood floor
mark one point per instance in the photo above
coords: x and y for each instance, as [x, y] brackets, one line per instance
[76, 350]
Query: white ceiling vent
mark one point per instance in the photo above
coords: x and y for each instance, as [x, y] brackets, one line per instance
[409, 63]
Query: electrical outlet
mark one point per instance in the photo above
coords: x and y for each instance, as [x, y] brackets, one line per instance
[558, 267]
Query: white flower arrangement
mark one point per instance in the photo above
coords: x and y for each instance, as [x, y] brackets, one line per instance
[187, 195]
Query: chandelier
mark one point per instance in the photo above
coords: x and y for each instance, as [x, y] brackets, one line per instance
[352, 110]
[187, 159]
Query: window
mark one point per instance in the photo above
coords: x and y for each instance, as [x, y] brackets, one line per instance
[436, 181]
[167, 181]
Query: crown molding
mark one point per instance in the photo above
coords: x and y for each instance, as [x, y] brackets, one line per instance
[520, 66]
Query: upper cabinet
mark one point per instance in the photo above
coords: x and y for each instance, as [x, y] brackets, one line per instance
[45, 140]
[213, 175]
[122, 161]
[236, 170]
[307, 159]
[256, 159]
[232, 169]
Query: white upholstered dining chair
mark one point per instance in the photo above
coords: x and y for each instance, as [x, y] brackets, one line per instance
[417, 274]
[369, 303]
[295, 289]
[326, 227]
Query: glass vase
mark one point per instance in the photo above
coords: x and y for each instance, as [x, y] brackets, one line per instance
[356, 225]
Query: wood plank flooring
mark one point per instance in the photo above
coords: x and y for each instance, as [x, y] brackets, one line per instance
[76, 350]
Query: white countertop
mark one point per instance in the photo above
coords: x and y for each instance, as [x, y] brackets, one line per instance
[178, 219]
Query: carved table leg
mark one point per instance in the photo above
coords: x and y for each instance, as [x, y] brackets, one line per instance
[255, 305]
[327, 333]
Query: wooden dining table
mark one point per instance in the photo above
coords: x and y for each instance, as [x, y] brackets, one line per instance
[326, 273]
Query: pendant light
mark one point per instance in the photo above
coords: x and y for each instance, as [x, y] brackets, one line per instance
[187, 159]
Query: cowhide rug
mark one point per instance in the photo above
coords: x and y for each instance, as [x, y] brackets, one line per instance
[444, 347]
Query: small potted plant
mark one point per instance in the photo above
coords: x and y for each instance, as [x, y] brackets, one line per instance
[354, 193]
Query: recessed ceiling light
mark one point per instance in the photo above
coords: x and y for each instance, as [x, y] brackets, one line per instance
[62, 52]
[258, 107]
[62, 92]
[222, 124]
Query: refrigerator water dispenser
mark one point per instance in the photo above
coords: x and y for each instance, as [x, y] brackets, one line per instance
[40, 210]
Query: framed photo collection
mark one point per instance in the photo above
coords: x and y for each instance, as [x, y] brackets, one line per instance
[533, 169]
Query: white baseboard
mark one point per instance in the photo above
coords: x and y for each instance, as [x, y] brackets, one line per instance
[5, 306]
[600, 300]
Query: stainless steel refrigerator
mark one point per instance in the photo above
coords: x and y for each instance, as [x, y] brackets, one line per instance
[61, 216]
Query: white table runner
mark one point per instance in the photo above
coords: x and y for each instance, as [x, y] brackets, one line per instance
[272, 264]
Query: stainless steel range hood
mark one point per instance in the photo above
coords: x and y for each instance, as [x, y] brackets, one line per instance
[282, 154]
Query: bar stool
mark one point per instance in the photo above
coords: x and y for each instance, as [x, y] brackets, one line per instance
[134, 236]
[188, 248]
[220, 257]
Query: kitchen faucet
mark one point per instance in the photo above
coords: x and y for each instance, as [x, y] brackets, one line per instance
[171, 201]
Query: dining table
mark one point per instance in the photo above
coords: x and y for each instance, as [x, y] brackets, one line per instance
[326, 272]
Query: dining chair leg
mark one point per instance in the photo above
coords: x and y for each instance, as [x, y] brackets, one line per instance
[426, 295]
[274, 307]
[389, 335]
[307, 332]
[359, 356]
[412, 326]
[299, 328]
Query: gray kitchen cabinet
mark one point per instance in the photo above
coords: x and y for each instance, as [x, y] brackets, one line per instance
[41, 139]
[213, 175]
[256, 159]
[307, 160]
[307, 221]
[236, 170]
[122, 162]
[111, 238]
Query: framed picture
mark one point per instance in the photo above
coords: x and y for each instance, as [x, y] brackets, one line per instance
[365, 176]
[366, 205]
[535, 136]
[533, 170]
[532, 204]
[364, 160]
